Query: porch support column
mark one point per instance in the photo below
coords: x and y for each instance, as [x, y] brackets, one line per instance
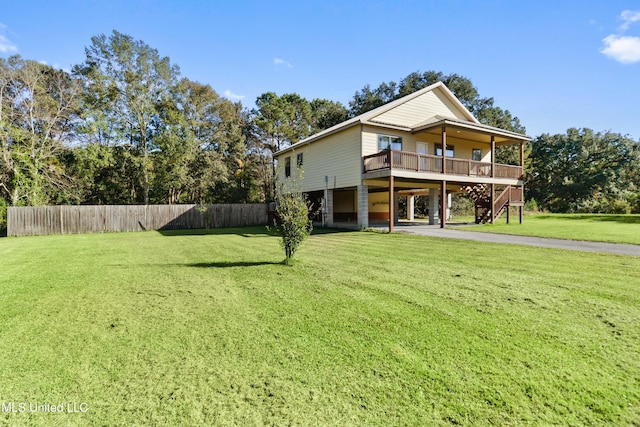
[411, 207]
[449, 205]
[396, 207]
[443, 204]
[521, 213]
[433, 206]
[493, 158]
[444, 150]
[363, 206]
[391, 204]
[492, 198]
[521, 208]
[328, 208]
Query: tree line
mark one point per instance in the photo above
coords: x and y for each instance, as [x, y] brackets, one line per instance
[124, 127]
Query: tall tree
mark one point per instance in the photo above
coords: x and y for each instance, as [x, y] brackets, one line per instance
[282, 120]
[38, 106]
[326, 114]
[279, 122]
[582, 170]
[126, 81]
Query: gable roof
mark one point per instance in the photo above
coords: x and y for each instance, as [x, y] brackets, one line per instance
[408, 114]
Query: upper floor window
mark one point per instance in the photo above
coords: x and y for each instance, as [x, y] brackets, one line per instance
[287, 166]
[299, 159]
[450, 150]
[476, 154]
[386, 142]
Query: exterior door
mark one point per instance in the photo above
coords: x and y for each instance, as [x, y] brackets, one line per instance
[422, 148]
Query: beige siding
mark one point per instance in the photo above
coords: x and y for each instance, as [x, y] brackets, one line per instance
[370, 139]
[463, 148]
[336, 156]
[420, 109]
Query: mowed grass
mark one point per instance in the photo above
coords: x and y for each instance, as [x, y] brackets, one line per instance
[594, 227]
[365, 329]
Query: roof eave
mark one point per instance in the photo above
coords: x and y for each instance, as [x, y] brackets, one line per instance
[335, 129]
[476, 127]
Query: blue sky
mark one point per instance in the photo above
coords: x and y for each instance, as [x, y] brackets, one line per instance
[554, 64]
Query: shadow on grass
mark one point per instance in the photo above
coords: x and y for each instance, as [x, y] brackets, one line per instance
[258, 231]
[231, 264]
[252, 232]
[621, 218]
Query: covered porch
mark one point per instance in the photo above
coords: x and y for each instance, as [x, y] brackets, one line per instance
[490, 200]
[447, 156]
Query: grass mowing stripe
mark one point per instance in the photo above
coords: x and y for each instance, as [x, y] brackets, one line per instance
[365, 328]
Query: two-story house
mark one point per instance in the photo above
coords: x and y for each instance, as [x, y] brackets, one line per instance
[426, 143]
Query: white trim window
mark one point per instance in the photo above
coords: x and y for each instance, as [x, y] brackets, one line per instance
[388, 142]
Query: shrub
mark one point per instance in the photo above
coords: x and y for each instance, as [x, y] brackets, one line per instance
[292, 210]
[3, 217]
[531, 206]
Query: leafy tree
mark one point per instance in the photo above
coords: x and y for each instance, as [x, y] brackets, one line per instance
[38, 105]
[326, 114]
[3, 217]
[103, 174]
[237, 185]
[126, 81]
[279, 121]
[368, 99]
[582, 170]
[282, 121]
[292, 209]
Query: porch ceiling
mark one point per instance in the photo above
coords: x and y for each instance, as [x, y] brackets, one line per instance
[415, 185]
[471, 131]
[411, 186]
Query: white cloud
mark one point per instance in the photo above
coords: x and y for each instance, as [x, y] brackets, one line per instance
[6, 46]
[232, 95]
[623, 49]
[629, 17]
[279, 61]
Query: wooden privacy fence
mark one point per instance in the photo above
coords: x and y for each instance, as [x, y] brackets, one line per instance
[40, 220]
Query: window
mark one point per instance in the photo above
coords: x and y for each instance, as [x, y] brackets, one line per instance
[287, 167]
[449, 150]
[476, 154]
[299, 160]
[386, 142]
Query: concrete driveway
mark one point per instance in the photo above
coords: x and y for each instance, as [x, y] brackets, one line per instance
[575, 245]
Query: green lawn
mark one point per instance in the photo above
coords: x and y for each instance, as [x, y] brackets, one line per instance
[364, 329]
[594, 227]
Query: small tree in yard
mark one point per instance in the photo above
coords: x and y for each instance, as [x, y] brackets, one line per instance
[292, 209]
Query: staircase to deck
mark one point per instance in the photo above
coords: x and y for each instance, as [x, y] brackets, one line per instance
[481, 194]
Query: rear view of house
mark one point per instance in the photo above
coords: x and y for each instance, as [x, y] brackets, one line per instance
[426, 143]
